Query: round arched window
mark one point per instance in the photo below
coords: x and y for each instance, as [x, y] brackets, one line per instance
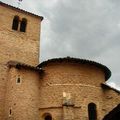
[48, 117]
[92, 113]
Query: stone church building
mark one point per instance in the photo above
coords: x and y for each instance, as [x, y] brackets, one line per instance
[56, 89]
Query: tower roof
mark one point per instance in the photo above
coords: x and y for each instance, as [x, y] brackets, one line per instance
[79, 61]
[20, 10]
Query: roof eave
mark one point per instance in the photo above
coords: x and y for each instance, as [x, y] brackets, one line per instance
[106, 86]
[81, 61]
[20, 65]
[20, 10]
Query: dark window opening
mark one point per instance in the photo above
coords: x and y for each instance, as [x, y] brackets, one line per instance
[48, 117]
[23, 25]
[18, 80]
[92, 111]
[10, 112]
[15, 23]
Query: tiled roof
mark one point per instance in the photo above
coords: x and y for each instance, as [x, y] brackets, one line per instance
[20, 10]
[79, 61]
[20, 65]
[106, 86]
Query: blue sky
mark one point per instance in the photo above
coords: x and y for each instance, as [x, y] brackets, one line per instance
[88, 29]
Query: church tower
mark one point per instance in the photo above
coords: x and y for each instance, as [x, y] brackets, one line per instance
[57, 89]
[19, 41]
[19, 35]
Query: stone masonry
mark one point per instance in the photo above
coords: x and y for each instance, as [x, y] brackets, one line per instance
[57, 89]
[16, 45]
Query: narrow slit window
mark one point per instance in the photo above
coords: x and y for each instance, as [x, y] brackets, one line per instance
[23, 25]
[10, 112]
[15, 23]
[92, 113]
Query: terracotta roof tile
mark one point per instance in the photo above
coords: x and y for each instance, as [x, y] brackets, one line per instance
[106, 86]
[79, 61]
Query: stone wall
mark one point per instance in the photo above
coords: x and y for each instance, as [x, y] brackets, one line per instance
[3, 72]
[63, 91]
[16, 45]
[22, 98]
[82, 82]
[111, 99]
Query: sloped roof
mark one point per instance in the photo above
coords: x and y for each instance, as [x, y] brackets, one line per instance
[19, 65]
[20, 10]
[106, 86]
[79, 61]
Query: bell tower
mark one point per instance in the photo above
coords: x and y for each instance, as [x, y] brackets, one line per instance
[19, 41]
[19, 35]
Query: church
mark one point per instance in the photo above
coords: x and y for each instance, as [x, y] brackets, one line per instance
[56, 89]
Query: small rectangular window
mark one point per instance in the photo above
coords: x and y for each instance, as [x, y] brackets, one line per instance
[18, 79]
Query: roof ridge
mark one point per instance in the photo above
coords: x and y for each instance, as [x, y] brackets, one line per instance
[21, 10]
[81, 61]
